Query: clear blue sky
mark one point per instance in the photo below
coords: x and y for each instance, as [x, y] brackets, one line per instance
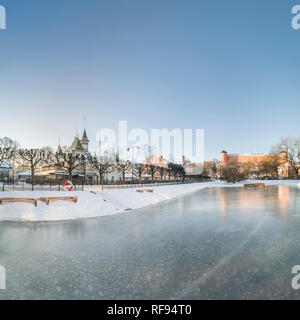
[231, 67]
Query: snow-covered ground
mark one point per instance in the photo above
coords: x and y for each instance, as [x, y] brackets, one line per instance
[101, 203]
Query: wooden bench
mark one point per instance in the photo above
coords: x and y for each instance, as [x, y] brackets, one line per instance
[249, 186]
[26, 200]
[34, 201]
[47, 200]
[147, 190]
[254, 186]
[43, 200]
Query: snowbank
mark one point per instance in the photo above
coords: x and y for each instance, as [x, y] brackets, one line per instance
[100, 203]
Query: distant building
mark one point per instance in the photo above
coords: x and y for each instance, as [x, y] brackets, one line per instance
[256, 159]
[25, 175]
[157, 161]
[245, 158]
[192, 170]
[78, 147]
[6, 171]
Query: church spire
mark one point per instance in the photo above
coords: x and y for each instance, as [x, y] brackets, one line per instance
[84, 136]
[85, 140]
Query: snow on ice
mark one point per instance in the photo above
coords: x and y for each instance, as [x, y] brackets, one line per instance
[102, 203]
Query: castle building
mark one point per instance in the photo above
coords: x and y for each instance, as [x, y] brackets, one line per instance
[256, 159]
[245, 158]
[85, 141]
[78, 147]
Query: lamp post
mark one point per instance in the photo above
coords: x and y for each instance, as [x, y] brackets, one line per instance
[132, 157]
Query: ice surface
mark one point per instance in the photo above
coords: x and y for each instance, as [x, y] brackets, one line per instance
[216, 243]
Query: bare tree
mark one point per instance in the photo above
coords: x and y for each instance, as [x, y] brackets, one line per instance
[179, 171]
[274, 164]
[246, 170]
[8, 149]
[210, 169]
[269, 167]
[232, 172]
[33, 158]
[102, 165]
[123, 166]
[291, 148]
[68, 161]
[151, 169]
[162, 172]
[170, 170]
[138, 170]
[182, 172]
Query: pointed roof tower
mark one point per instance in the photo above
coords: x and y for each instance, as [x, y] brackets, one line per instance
[84, 136]
[59, 151]
[76, 145]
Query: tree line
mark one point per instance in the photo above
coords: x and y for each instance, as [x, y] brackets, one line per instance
[69, 162]
[234, 172]
[287, 151]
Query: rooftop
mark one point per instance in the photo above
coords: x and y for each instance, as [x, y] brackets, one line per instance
[5, 165]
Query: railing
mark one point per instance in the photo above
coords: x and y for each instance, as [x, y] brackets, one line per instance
[23, 186]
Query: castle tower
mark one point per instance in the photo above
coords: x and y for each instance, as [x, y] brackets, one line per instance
[85, 141]
[283, 157]
[76, 147]
[59, 153]
[224, 158]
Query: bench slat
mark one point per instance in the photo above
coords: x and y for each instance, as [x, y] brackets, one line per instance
[34, 201]
[30, 200]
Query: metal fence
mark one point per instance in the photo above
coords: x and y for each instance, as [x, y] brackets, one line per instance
[23, 186]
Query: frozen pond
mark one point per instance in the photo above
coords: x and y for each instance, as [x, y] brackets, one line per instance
[218, 243]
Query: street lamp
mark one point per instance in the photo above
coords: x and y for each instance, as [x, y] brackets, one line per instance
[132, 157]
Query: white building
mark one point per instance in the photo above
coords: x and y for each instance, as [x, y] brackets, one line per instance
[6, 171]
